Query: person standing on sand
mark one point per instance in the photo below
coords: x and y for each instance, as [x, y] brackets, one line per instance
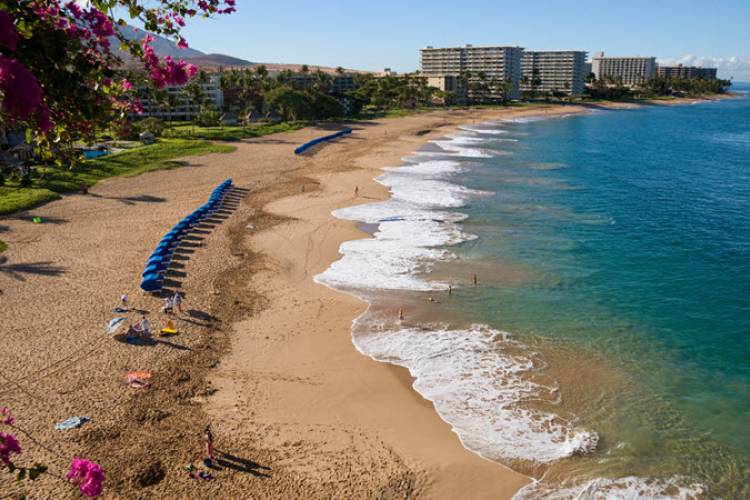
[208, 439]
[145, 326]
[475, 279]
[124, 300]
[167, 309]
[356, 191]
[177, 301]
[401, 313]
[450, 290]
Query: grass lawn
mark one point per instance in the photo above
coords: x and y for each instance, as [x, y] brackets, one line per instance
[231, 133]
[49, 182]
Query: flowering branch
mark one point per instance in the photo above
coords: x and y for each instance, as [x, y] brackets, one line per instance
[87, 475]
[58, 70]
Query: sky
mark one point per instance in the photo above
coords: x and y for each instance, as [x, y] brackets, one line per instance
[377, 34]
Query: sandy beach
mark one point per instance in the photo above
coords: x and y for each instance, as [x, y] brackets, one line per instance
[263, 353]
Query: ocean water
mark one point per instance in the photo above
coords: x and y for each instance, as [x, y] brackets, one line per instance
[605, 348]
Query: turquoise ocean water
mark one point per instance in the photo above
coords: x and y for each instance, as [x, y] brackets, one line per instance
[631, 230]
[605, 350]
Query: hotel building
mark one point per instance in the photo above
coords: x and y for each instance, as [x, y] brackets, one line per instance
[446, 68]
[548, 71]
[632, 71]
[185, 108]
[681, 71]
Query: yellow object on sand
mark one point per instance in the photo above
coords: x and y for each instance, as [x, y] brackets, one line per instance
[170, 329]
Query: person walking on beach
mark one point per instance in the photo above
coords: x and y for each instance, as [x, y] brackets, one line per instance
[401, 313]
[356, 191]
[475, 279]
[167, 309]
[208, 440]
[124, 300]
[450, 290]
[177, 301]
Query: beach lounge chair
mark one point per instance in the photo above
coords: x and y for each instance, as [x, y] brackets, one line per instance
[152, 283]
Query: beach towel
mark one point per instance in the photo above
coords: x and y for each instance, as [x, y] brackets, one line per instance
[169, 329]
[137, 375]
[114, 324]
[72, 423]
[136, 379]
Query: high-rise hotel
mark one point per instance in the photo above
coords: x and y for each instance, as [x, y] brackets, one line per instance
[631, 71]
[681, 71]
[445, 67]
[554, 71]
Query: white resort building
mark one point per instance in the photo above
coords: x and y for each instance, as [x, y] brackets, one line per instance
[184, 107]
[446, 68]
[631, 71]
[553, 71]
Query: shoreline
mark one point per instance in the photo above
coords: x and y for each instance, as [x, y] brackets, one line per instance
[284, 391]
[444, 466]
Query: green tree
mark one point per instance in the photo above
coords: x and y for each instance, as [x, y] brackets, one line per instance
[290, 103]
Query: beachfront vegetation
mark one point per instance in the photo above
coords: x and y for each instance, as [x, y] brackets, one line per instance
[657, 87]
[690, 87]
[49, 182]
[3, 246]
[299, 96]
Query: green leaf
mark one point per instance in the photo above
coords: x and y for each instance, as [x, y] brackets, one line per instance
[36, 471]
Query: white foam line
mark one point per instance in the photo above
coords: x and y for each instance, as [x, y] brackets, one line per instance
[626, 488]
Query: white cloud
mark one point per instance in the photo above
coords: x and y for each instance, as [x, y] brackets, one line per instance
[725, 64]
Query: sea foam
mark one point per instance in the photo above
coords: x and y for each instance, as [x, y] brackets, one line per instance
[477, 387]
[626, 488]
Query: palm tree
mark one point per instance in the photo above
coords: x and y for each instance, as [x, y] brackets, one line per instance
[261, 71]
[536, 81]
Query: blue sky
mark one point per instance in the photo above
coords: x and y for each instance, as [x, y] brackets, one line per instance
[374, 34]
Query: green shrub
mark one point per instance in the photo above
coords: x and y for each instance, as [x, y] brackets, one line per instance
[208, 118]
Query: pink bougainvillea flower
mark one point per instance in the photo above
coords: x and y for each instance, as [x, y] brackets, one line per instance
[8, 444]
[20, 87]
[181, 43]
[126, 85]
[8, 33]
[88, 475]
[8, 419]
[44, 122]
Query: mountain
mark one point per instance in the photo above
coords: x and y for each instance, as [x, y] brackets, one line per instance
[165, 47]
[162, 46]
[216, 60]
